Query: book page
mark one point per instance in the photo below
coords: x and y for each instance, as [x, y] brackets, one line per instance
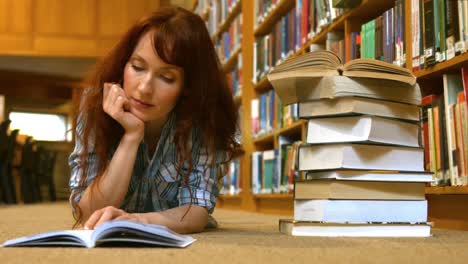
[58, 238]
[137, 232]
[318, 60]
[378, 69]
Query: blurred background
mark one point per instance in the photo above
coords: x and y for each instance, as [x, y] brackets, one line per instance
[47, 47]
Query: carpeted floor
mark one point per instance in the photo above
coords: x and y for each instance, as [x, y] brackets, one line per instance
[242, 238]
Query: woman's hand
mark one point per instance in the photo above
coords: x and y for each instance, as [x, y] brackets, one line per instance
[111, 213]
[116, 104]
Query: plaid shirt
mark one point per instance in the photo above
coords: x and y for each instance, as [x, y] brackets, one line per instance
[155, 184]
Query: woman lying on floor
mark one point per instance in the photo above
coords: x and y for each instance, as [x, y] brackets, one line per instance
[155, 129]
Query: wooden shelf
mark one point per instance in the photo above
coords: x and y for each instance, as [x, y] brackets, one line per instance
[443, 67]
[263, 85]
[236, 10]
[265, 139]
[229, 196]
[274, 196]
[294, 128]
[275, 14]
[229, 64]
[373, 8]
[238, 100]
[444, 203]
[447, 190]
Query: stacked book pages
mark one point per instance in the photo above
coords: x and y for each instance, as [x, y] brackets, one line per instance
[362, 159]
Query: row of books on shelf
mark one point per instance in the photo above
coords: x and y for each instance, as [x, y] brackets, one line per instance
[381, 38]
[439, 31]
[218, 11]
[271, 49]
[445, 131]
[230, 40]
[310, 15]
[232, 181]
[235, 78]
[364, 167]
[268, 114]
[274, 171]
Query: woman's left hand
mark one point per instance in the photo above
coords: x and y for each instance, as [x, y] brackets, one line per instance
[111, 213]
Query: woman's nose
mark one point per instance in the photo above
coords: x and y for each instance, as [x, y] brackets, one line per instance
[144, 85]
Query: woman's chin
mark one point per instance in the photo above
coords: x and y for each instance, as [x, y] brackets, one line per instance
[143, 117]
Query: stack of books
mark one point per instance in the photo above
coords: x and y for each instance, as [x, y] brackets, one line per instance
[362, 159]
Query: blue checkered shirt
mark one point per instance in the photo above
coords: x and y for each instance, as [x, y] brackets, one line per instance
[155, 184]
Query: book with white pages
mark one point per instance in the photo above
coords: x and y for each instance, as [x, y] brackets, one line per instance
[320, 229]
[362, 129]
[353, 105]
[360, 157]
[360, 211]
[296, 90]
[365, 175]
[359, 190]
[120, 232]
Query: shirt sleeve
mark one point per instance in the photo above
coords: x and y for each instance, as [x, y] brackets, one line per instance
[74, 161]
[202, 188]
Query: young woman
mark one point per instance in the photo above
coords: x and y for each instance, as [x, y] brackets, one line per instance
[155, 128]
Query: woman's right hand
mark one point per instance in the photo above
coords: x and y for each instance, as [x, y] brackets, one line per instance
[116, 104]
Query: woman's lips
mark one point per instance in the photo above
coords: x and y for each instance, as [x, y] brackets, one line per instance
[141, 104]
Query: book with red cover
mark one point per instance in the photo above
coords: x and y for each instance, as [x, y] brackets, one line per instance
[465, 83]
[427, 102]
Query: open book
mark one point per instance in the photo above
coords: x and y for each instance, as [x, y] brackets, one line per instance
[117, 232]
[325, 63]
[320, 75]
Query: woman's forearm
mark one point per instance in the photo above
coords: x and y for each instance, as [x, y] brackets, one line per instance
[112, 186]
[194, 221]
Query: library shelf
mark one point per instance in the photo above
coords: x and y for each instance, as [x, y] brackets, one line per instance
[229, 196]
[229, 64]
[277, 11]
[263, 85]
[293, 129]
[238, 100]
[275, 203]
[443, 67]
[264, 139]
[447, 190]
[236, 10]
[274, 196]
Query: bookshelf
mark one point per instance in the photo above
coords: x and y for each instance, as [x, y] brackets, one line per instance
[447, 205]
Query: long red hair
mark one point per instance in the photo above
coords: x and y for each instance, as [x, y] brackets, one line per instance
[180, 38]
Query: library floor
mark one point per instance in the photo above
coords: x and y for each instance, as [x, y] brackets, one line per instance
[242, 238]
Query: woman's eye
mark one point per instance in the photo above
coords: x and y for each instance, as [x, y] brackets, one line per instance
[167, 79]
[136, 68]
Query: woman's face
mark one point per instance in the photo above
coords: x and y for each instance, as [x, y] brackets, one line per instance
[151, 85]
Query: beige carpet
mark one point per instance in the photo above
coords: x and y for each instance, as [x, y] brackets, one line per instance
[242, 238]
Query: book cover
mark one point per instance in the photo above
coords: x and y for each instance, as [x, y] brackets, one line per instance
[352, 105]
[360, 211]
[360, 156]
[363, 129]
[366, 175]
[319, 229]
[358, 190]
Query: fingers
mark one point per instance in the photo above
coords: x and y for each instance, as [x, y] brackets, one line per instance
[110, 94]
[93, 219]
[103, 215]
[125, 217]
